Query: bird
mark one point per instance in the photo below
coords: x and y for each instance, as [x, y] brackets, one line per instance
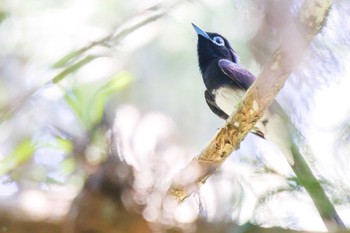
[226, 82]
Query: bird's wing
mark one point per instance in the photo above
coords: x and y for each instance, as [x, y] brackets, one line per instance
[243, 78]
[235, 72]
[213, 107]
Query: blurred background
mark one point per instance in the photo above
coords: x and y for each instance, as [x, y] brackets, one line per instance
[94, 89]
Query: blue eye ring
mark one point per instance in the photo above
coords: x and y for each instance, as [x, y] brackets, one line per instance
[218, 41]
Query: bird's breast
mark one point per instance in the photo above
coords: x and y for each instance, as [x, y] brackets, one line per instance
[227, 98]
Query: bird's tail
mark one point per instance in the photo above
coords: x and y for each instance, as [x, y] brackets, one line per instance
[288, 138]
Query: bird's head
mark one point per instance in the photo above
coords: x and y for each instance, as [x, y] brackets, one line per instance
[212, 46]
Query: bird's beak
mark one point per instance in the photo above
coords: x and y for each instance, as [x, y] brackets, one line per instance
[201, 32]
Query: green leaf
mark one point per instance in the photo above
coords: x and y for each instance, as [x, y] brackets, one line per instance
[116, 83]
[88, 101]
[74, 98]
[73, 68]
[68, 58]
[61, 144]
[95, 110]
[21, 154]
[64, 145]
[68, 166]
[3, 16]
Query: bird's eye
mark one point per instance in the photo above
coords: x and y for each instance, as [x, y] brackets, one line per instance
[219, 41]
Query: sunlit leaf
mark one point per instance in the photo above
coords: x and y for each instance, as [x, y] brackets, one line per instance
[21, 154]
[73, 68]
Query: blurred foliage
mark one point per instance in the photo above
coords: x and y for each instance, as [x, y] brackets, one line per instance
[72, 68]
[88, 101]
[78, 78]
[2, 16]
[21, 154]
